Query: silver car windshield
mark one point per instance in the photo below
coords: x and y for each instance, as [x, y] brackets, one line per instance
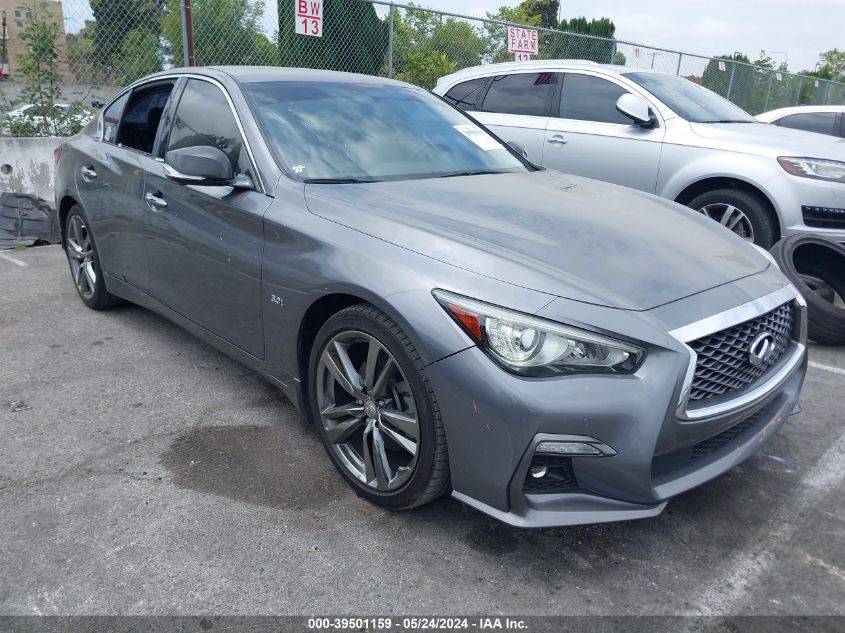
[343, 132]
[689, 100]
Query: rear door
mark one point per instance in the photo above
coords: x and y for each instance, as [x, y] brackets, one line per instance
[587, 136]
[110, 180]
[516, 107]
[206, 243]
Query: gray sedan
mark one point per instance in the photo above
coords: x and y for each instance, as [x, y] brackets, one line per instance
[549, 349]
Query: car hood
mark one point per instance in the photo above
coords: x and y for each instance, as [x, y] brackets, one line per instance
[562, 235]
[769, 140]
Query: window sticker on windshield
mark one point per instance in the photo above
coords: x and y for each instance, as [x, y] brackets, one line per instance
[478, 136]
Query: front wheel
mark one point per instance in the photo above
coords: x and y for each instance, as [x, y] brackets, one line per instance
[741, 212]
[376, 411]
[84, 264]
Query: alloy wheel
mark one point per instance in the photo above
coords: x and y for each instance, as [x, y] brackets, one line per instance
[368, 411]
[730, 217]
[81, 256]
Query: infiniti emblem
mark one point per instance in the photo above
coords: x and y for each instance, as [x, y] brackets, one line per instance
[761, 348]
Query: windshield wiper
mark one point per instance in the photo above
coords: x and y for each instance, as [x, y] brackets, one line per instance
[336, 181]
[729, 121]
[480, 172]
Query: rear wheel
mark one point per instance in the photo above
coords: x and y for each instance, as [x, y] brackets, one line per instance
[742, 212]
[84, 264]
[375, 410]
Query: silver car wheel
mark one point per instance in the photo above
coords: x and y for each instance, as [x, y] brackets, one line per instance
[81, 257]
[730, 217]
[367, 410]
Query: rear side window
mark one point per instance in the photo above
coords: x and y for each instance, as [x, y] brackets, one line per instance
[466, 95]
[111, 119]
[588, 98]
[204, 117]
[141, 118]
[522, 93]
[821, 122]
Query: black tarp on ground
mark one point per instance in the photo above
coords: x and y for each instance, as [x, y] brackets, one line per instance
[26, 220]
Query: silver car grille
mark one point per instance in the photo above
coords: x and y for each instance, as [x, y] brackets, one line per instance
[723, 361]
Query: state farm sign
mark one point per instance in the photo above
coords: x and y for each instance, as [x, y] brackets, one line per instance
[522, 42]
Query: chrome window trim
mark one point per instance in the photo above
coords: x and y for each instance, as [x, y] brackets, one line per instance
[176, 76]
[724, 320]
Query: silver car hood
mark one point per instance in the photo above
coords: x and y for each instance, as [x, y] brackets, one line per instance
[768, 140]
[563, 235]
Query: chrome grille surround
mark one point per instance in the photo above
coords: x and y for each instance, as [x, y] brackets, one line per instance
[722, 358]
[754, 391]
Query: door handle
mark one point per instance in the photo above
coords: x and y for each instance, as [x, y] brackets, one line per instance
[89, 174]
[155, 202]
[557, 139]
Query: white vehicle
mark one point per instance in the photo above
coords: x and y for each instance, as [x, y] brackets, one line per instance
[665, 135]
[62, 120]
[821, 119]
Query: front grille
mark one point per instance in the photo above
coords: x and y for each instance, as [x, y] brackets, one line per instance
[705, 447]
[823, 217]
[724, 363]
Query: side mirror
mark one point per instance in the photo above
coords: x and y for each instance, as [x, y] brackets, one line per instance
[200, 165]
[635, 108]
[519, 149]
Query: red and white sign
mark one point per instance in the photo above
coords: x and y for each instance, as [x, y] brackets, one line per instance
[309, 17]
[522, 41]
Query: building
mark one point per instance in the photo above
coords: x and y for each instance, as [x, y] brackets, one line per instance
[17, 14]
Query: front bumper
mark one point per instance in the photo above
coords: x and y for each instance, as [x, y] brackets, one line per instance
[495, 420]
[792, 195]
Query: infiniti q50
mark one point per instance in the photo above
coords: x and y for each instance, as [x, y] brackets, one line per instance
[547, 348]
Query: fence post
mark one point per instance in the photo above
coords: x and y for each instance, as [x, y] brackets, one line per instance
[390, 44]
[768, 91]
[731, 81]
[678, 69]
[826, 90]
[187, 34]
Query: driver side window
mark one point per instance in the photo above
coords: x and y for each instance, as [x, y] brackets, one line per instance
[204, 118]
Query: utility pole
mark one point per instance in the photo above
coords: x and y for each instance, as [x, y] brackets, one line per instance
[187, 34]
[4, 62]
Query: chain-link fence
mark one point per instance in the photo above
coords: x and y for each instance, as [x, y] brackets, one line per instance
[83, 51]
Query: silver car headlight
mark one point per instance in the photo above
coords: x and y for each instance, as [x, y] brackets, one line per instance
[816, 168]
[533, 346]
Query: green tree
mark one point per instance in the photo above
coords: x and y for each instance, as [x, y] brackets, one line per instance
[564, 46]
[39, 68]
[225, 32]
[545, 11]
[139, 56]
[354, 38]
[834, 64]
[424, 69]
[115, 20]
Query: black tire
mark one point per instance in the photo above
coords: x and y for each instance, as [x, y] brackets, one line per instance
[820, 287]
[91, 289]
[429, 478]
[799, 255]
[766, 230]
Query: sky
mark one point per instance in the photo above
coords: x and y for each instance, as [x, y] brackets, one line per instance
[794, 30]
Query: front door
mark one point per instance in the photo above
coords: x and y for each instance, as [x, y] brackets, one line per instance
[205, 243]
[589, 137]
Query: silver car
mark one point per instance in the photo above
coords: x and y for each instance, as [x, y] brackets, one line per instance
[550, 349]
[662, 134]
[820, 119]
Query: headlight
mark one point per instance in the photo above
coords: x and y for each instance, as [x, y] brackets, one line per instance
[532, 346]
[817, 168]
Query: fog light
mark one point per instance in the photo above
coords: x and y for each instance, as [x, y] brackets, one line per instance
[567, 448]
[539, 471]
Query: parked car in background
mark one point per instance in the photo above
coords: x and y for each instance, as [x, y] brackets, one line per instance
[551, 349]
[821, 119]
[60, 119]
[662, 134]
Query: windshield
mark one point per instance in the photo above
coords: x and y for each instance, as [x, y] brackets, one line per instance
[327, 131]
[689, 100]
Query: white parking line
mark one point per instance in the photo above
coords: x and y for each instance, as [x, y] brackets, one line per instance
[830, 368]
[733, 581]
[14, 260]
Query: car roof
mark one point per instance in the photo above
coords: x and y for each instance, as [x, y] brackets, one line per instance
[771, 115]
[253, 74]
[543, 64]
